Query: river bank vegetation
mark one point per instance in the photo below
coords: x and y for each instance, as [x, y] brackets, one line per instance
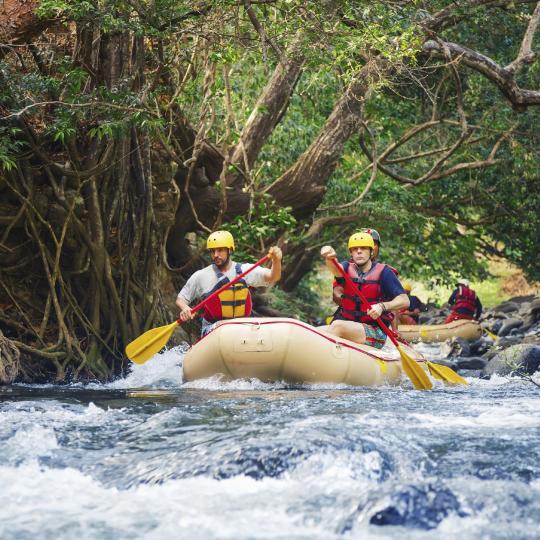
[130, 130]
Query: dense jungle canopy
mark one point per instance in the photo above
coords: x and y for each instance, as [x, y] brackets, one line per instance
[130, 129]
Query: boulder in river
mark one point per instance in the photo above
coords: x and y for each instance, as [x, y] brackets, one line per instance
[510, 324]
[418, 508]
[520, 358]
[473, 362]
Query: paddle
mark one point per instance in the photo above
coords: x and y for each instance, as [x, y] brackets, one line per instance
[493, 336]
[417, 375]
[145, 346]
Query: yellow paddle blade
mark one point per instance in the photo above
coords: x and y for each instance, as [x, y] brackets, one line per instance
[144, 347]
[491, 334]
[415, 372]
[446, 374]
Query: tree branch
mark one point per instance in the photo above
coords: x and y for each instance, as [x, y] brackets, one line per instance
[519, 98]
[526, 54]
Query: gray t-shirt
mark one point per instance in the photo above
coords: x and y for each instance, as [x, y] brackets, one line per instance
[204, 280]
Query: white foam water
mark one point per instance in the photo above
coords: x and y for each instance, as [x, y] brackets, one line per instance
[152, 457]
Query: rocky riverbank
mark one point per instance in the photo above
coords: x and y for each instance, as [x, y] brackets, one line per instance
[511, 342]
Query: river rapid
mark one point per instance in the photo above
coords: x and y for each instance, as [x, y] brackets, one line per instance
[149, 456]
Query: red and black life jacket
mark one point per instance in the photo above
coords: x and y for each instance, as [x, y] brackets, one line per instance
[465, 300]
[369, 284]
[235, 301]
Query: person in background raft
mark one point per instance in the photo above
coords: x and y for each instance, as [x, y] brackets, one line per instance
[234, 301]
[411, 314]
[378, 284]
[464, 303]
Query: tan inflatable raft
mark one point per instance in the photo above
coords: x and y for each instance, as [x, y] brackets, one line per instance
[291, 351]
[430, 333]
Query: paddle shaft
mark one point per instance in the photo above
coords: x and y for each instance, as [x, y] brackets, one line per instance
[351, 284]
[201, 304]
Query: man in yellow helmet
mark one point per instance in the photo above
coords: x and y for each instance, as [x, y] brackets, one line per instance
[377, 283]
[234, 301]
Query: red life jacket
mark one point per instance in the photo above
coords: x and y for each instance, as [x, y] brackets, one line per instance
[235, 301]
[369, 284]
[391, 267]
[465, 300]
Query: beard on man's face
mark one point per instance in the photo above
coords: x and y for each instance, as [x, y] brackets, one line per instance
[220, 261]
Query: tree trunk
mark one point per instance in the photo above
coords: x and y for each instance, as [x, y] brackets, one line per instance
[303, 186]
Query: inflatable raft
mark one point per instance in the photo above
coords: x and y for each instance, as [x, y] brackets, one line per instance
[429, 333]
[291, 351]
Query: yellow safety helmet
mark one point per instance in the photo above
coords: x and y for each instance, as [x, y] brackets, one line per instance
[361, 240]
[407, 285]
[220, 239]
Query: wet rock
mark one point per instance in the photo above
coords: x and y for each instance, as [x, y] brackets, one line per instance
[259, 463]
[522, 299]
[496, 326]
[418, 508]
[449, 362]
[476, 373]
[456, 347]
[480, 346]
[506, 307]
[474, 362]
[508, 325]
[520, 358]
[533, 339]
[507, 341]
[533, 314]
[534, 306]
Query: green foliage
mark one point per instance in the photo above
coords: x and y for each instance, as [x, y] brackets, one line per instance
[434, 231]
[10, 146]
[265, 219]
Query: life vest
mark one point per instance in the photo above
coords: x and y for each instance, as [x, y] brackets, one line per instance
[373, 261]
[369, 284]
[235, 301]
[465, 300]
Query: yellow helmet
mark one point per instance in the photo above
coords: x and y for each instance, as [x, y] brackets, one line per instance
[361, 240]
[220, 239]
[407, 285]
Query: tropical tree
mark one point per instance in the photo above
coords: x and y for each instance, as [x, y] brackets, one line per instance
[131, 129]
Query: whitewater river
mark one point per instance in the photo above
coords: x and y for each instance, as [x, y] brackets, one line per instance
[151, 457]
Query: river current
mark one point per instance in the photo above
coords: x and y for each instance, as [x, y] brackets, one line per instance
[151, 457]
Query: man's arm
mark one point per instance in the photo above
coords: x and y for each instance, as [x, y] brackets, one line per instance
[186, 295]
[273, 273]
[452, 298]
[478, 308]
[401, 301]
[185, 310]
[391, 288]
[337, 293]
[328, 254]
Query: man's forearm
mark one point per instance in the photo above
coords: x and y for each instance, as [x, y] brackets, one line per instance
[337, 293]
[401, 301]
[181, 303]
[275, 272]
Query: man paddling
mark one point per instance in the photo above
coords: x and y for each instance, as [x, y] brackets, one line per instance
[374, 259]
[376, 281]
[234, 301]
[464, 302]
